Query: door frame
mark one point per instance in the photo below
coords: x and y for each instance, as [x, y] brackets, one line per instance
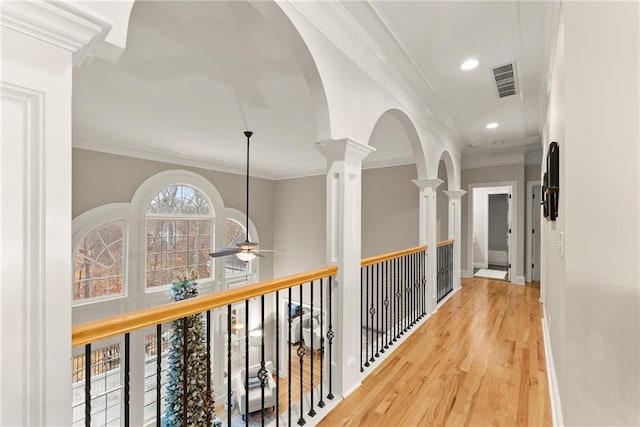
[529, 234]
[513, 220]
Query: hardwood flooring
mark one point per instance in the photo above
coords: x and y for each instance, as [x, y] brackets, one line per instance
[478, 361]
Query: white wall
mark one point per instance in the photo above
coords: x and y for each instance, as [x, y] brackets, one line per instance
[592, 282]
[480, 229]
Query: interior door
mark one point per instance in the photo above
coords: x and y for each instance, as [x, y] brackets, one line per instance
[509, 234]
[535, 241]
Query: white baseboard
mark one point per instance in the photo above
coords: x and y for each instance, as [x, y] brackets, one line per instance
[480, 265]
[519, 280]
[465, 274]
[552, 379]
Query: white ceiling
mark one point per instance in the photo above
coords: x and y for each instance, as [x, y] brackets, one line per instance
[196, 74]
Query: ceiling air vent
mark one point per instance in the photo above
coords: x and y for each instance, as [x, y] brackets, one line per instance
[505, 77]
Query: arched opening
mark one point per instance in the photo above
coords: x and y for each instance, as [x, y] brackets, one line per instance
[446, 174]
[390, 202]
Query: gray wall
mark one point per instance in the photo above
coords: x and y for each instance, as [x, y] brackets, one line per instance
[100, 178]
[492, 175]
[390, 210]
[299, 224]
[591, 283]
[498, 222]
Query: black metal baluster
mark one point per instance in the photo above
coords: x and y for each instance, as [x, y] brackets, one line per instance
[87, 385]
[229, 402]
[185, 364]
[396, 297]
[376, 282]
[362, 272]
[321, 403]
[414, 285]
[403, 286]
[385, 270]
[301, 353]
[290, 320]
[246, 362]
[410, 287]
[372, 310]
[312, 411]
[158, 374]
[262, 372]
[277, 358]
[210, 402]
[330, 335]
[366, 329]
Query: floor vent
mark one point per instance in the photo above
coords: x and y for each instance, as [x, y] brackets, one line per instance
[505, 78]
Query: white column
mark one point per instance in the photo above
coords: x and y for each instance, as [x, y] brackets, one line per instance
[39, 41]
[344, 186]
[455, 215]
[428, 234]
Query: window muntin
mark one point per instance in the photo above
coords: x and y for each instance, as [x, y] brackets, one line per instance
[235, 233]
[179, 231]
[98, 262]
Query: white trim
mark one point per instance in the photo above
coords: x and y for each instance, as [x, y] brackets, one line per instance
[529, 234]
[513, 214]
[552, 378]
[465, 274]
[135, 150]
[519, 280]
[58, 23]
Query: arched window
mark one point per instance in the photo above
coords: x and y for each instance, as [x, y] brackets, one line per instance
[179, 235]
[98, 262]
[235, 233]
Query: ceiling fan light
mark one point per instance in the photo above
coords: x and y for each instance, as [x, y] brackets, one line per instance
[246, 256]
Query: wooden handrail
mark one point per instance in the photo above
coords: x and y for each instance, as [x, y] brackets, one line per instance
[445, 243]
[97, 330]
[392, 255]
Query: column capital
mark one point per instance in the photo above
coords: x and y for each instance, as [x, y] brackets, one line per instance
[344, 149]
[428, 183]
[455, 194]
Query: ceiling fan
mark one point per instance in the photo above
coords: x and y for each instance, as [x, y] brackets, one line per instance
[247, 250]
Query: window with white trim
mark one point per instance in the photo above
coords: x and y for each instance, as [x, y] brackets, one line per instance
[235, 233]
[98, 262]
[179, 235]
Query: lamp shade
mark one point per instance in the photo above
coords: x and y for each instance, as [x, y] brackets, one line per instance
[245, 256]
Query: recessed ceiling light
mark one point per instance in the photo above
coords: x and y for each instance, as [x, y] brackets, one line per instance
[491, 125]
[469, 64]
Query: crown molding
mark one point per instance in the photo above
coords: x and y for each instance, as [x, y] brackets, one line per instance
[392, 75]
[120, 148]
[59, 24]
[488, 160]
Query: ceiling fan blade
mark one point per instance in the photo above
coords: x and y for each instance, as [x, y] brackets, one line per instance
[256, 252]
[224, 252]
[272, 250]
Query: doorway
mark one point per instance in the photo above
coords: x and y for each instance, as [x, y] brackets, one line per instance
[491, 246]
[534, 198]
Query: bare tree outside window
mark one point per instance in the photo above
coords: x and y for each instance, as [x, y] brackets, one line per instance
[98, 262]
[235, 233]
[179, 235]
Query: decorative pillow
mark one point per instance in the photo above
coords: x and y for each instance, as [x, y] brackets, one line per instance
[254, 382]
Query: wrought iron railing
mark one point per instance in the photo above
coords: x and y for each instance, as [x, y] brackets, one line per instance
[309, 337]
[393, 299]
[444, 269]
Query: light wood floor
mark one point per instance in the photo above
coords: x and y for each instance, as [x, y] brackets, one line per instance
[478, 361]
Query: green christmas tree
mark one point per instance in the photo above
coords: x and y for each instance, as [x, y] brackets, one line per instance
[198, 402]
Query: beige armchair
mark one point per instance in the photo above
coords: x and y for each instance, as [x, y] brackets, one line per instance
[255, 393]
